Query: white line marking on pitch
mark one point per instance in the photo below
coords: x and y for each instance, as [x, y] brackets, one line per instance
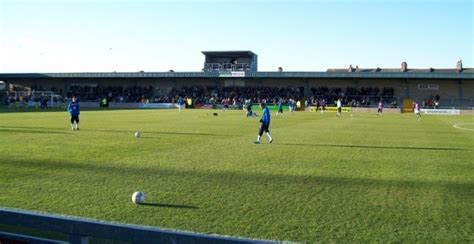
[457, 126]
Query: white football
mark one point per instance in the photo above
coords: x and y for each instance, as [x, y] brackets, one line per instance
[138, 134]
[138, 197]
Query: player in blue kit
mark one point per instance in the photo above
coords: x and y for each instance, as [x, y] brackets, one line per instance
[249, 110]
[74, 111]
[280, 107]
[180, 104]
[264, 124]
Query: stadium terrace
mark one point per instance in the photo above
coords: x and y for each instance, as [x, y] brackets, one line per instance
[232, 77]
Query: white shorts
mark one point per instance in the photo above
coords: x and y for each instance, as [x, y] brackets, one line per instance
[417, 111]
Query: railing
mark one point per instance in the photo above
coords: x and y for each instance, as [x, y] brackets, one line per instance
[460, 103]
[81, 229]
[226, 67]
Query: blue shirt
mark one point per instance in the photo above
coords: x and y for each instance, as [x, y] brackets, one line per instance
[73, 108]
[265, 116]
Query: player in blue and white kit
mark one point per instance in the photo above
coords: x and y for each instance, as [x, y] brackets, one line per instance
[291, 105]
[264, 124]
[74, 111]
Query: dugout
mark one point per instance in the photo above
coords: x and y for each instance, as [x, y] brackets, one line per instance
[3, 92]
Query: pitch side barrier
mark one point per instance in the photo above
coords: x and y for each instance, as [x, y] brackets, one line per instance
[131, 105]
[441, 111]
[330, 109]
[81, 229]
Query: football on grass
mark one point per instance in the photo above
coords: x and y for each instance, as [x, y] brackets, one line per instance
[138, 197]
[138, 134]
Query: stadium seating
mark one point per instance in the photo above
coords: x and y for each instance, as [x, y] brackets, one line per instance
[360, 97]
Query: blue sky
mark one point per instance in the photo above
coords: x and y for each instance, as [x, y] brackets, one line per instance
[107, 35]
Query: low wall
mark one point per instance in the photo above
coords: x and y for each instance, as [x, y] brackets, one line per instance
[89, 104]
[123, 105]
[129, 105]
[441, 111]
[170, 105]
[158, 105]
[80, 229]
[374, 110]
[467, 112]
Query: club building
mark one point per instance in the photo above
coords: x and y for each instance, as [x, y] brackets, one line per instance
[454, 86]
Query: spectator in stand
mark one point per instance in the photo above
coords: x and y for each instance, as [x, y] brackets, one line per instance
[44, 103]
[394, 104]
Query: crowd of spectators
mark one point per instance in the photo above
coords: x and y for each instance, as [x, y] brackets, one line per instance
[234, 95]
[237, 95]
[354, 97]
[431, 102]
[112, 93]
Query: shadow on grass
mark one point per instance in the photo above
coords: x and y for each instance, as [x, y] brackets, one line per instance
[386, 197]
[169, 133]
[9, 130]
[148, 138]
[27, 129]
[372, 147]
[235, 178]
[153, 204]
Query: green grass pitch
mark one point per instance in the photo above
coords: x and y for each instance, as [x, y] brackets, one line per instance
[387, 178]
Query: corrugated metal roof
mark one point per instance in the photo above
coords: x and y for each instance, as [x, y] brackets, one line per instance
[224, 53]
[412, 74]
[392, 70]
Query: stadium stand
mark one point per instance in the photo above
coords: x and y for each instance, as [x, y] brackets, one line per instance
[232, 76]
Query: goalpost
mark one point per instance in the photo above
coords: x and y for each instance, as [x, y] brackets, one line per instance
[38, 99]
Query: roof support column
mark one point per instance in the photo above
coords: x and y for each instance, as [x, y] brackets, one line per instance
[407, 89]
[307, 88]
